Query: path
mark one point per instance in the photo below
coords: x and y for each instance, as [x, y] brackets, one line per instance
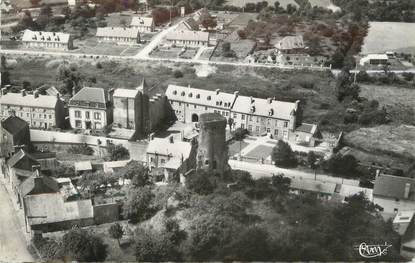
[13, 246]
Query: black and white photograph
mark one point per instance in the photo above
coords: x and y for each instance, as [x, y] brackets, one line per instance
[207, 131]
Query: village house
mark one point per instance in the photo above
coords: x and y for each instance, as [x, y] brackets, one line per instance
[290, 45]
[403, 224]
[167, 155]
[119, 35]
[394, 193]
[90, 108]
[144, 24]
[47, 40]
[281, 120]
[323, 190]
[14, 131]
[374, 59]
[39, 111]
[188, 24]
[188, 38]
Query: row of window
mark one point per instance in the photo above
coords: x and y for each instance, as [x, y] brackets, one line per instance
[97, 115]
[88, 125]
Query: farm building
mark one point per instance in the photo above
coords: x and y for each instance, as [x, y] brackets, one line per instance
[122, 35]
[144, 24]
[188, 38]
[374, 59]
[48, 40]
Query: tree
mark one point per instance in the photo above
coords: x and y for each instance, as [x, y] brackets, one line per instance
[138, 204]
[175, 234]
[230, 123]
[240, 134]
[116, 232]
[342, 165]
[137, 172]
[177, 74]
[80, 245]
[283, 156]
[312, 159]
[70, 76]
[209, 22]
[152, 246]
[118, 152]
[123, 22]
[344, 86]
[200, 182]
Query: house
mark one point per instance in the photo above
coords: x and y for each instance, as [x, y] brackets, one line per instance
[168, 154]
[14, 131]
[188, 38]
[121, 35]
[259, 116]
[73, 3]
[135, 109]
[39, 111]
[394, 193]
[188, 24]
[90, 108]
[47, 40]
[324, 190]
[290, 45]
[403, 224]
[308, 134]
[82, 167]
[374, 59]
[144, 24]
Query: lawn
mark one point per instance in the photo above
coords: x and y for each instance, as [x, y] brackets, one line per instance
[234, 147]
[395, 36]
[261, 151]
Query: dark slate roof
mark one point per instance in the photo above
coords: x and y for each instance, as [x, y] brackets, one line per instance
[211, 117]
[308, 128]
[39, 184]
[394, 187]
[14, 124]
[15, 159]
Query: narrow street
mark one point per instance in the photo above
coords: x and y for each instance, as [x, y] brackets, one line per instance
[13, 247]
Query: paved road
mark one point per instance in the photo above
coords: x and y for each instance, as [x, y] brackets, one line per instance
[13, 246]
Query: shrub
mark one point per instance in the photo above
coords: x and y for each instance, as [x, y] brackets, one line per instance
[118, 152]
[81, 149]
[177, 74]
[283, 155]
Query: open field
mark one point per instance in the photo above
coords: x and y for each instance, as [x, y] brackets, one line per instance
[397, 141]
[395, 36]
[260, 151]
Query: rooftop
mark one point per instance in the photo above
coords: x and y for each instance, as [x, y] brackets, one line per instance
[169, 147]
[39, 184]
[313, 186]
[307, 128]
[18, 156]
[129, 32]
[290, 42]
[125, 93]
[188, 35]
[394, 187]
[40, 36]
[14, 124]
[209, 117]
[89, 95]
[83, 166]
[28, 100]
[190, 24]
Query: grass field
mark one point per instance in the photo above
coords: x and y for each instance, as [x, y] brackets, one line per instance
[261, 151]
[235, 146]
[395, 36]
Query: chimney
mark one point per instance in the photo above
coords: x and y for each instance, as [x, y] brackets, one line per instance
[36, 94]
[36, 168]
[23, 92]
[171, 139]
[407, 189]
[217, 91]
[58, 96]
[236, 93]
[3, 91]
[252, 99]
[269, 100]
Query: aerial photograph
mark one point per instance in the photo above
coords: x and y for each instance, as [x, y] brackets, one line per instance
[207, 131]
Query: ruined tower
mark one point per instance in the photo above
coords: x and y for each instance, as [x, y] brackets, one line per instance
[212, 154]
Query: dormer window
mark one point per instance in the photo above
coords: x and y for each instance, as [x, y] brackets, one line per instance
[253, 109]
[190, 95]
[209, 97]
[271, 112]
[183, 93]
[198, 96]
[174, 92]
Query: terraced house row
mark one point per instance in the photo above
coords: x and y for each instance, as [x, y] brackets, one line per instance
[259, 116]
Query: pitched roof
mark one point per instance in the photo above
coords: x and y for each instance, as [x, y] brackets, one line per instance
[163, 146]
[129, 32]
[83, 166]
[39, 184]
[51, 208]
[188, 35]
[89, 96]
[41, 36]
[28, 100]
[209, 98]
[307, 128]
[313, 186]
[20, 155]
[394, 187]
[141, 21]
[189, 24]
[290, 42]
[14, 124]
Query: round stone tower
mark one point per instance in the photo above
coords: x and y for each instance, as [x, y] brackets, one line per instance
[212, 154]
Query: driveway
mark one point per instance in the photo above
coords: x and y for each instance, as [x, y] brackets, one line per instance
[13, 247]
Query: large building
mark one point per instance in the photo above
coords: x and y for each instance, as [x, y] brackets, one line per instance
[14, 131]
[290, 45]
[90, 108]
[258, 116]
[122, 35]
[144, 24]
[135, 109]
[188, 38]
[47, 40]
[40, 111]
[188, 24]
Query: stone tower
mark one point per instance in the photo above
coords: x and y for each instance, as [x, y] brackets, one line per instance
[212, 153]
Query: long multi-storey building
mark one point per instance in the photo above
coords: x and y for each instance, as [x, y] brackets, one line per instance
[39, 111]
[47, 40]
[259, 116]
